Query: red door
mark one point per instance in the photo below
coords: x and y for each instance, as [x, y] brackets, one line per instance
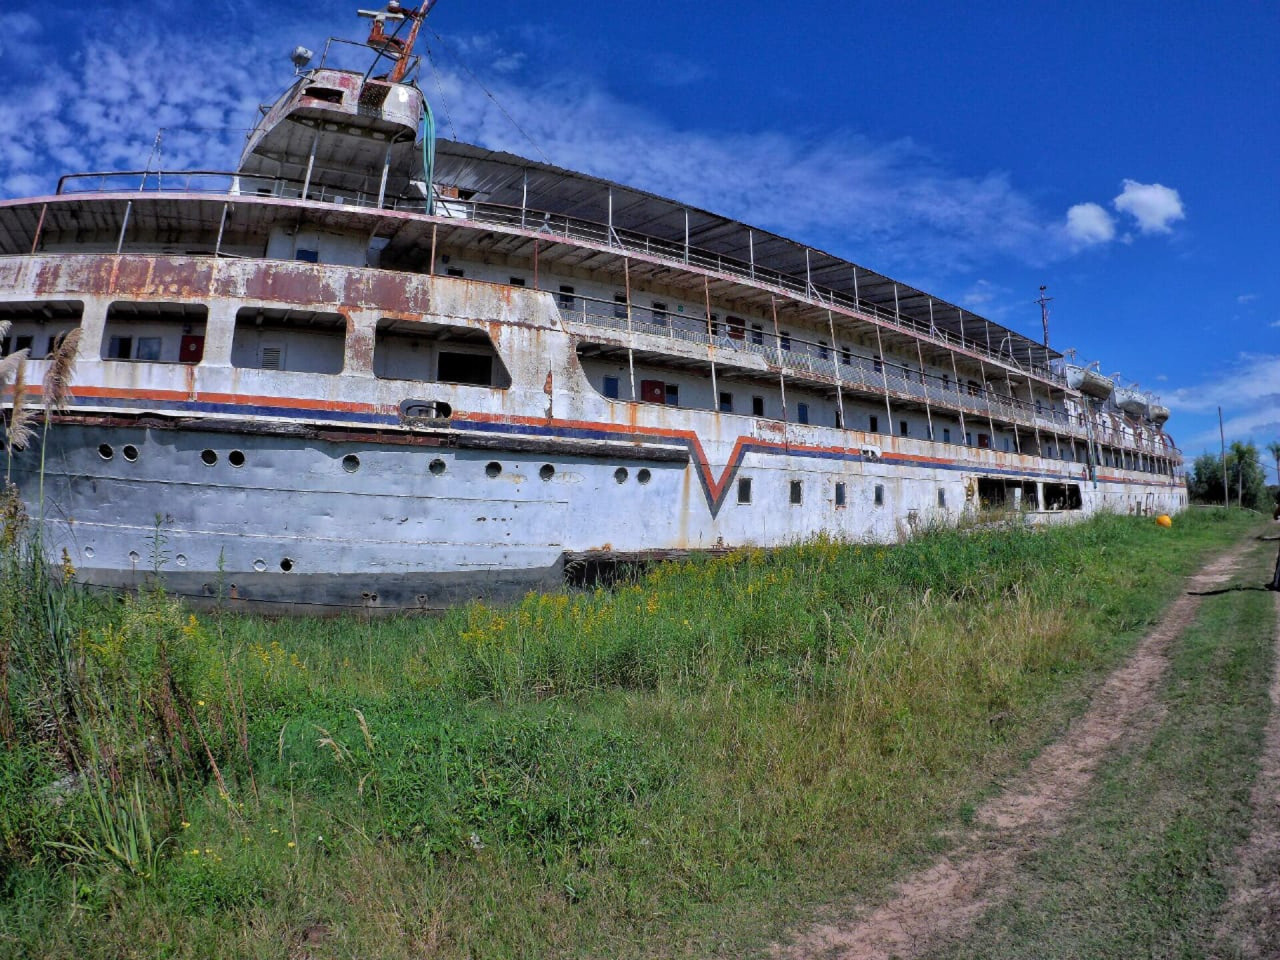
[653, 391]
[192, 349]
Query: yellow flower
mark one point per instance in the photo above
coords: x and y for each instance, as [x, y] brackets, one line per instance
[199, 703]
[292, 844]
[185, 824]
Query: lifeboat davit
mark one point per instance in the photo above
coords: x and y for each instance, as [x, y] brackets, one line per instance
[1089, 382]
[1131, 401]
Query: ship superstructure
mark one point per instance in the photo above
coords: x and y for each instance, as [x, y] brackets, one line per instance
[364, 369]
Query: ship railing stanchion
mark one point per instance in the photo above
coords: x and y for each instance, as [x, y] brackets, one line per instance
[959, 395]
[924, 385]
[222, 225]
[311, 162]
[711, 340]
[835, 366]
[631, 357]
[124, 225]
[782, 379]
[986, 395]
[431, 267]
[884, 382]
[35, 240]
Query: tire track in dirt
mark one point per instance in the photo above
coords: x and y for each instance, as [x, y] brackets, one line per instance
[1250, 925]
[943, 901]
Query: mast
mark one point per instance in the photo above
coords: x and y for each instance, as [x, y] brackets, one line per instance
[1044, 312]
[391, 46]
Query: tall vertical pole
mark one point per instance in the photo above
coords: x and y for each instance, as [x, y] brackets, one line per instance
[959, 396]
[386, 172]
[924, 387]
[124, 225]
[524, 198]
[35, 240]
[631, 354]
[311, 162]
[1222, 435]
[711, 342]
[782, 379]
[884, 381]
[835, 365]
[431, 267]
[1044, 318]
[751, 251]
[222, 225]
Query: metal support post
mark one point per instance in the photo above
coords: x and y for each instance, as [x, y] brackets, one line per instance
[124, 225]
[631, 357]
[782, 379]
[711, 342]
[311, 162]
[35, 240]
[884, 380]
[222, 226]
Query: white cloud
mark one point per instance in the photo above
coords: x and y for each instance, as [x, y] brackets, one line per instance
[1153, 205]
[1248, 391]
[1246, 298]
[1089, 224]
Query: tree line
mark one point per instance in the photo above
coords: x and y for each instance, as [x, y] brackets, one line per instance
[1245, 480]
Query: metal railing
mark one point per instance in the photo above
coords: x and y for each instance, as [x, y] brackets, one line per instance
[555, 226]
[836, 365]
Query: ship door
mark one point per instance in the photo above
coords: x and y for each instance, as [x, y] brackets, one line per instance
[191, 350]
[653, 391]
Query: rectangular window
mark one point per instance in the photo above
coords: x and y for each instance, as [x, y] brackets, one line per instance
[946, 382]
[968, 438]
[757, 334]
[120, 348]
[726, 402]
[517, 281]
[903, 429]
[307, 256]
[566, 297]
[873, 423]
[839, 494]
[876, 364]
[611, 387]
[784, 341]
[744, 489]
[802, 412]
[714, 321]
[659, 312]
[1008, 445]
[737, 328]
[846, 356]
[757, 406]
[620, 306]
[942, 497]
[475, 369]
[823, 352]
[797, 492]
[839, 420]
[455, 272]
[879, 495]
[984, 442]
[148, 348]
[673, 395]
[946, 434]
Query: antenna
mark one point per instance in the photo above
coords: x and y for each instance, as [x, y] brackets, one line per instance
[1044, 312]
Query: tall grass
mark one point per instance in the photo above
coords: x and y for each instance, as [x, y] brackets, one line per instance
[542, 777]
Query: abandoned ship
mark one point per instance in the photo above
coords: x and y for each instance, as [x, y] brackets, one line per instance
[370, 369]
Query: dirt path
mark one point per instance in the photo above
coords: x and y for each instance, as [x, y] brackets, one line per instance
[1251, 920]
[943, 901]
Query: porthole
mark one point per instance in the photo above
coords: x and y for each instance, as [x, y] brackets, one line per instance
[89, 552]
[105, 451]
[620, 474]
[259, 565]
[130, 452]
[547, 471]
[180, 559]
[436, 467]
[644, 476]
[351, 463]
[134, 556]
[236, 458]
[493, 469]
[209, 457]
[286, 564]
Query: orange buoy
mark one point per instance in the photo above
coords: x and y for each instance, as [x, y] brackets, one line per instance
[1164, 520]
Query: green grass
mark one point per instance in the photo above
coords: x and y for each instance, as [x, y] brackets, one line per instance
[682, 765]
[1143, 869]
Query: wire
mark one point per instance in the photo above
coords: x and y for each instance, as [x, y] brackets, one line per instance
[440, 88]
[490, 95]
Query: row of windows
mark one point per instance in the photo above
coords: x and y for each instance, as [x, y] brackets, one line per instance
[840, 497]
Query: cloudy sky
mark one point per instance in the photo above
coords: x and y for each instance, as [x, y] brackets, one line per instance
[1123, 154]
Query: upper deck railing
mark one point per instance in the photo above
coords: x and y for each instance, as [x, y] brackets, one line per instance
[848, 368]
[554, 226]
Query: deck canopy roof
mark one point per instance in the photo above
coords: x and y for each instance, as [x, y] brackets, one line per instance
[504, 178]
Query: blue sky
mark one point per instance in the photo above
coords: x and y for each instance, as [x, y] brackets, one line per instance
[1125, 154]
